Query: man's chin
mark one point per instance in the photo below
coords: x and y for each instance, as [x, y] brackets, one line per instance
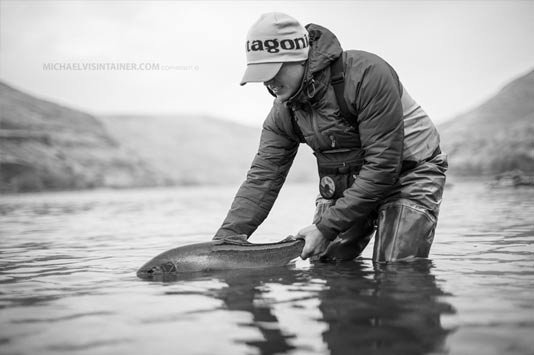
[282, 98]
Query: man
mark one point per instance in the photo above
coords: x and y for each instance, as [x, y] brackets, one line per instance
[377, 151]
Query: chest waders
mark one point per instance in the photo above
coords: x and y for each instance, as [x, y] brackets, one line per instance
[405, 222]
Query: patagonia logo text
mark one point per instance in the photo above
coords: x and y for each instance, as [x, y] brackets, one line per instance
[274, 45]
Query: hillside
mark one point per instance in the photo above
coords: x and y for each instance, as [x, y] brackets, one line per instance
[495, 137]
[189, 149]
[45, 146]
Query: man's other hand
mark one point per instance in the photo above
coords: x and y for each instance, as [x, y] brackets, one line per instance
[315, 242]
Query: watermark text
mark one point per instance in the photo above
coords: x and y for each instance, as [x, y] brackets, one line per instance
[114, 66]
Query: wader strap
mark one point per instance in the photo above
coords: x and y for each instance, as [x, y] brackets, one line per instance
[337, 79]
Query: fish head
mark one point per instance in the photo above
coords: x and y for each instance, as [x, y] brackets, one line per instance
[156, 268]
[181, 259]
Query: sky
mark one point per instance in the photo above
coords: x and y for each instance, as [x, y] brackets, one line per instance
[450, 55]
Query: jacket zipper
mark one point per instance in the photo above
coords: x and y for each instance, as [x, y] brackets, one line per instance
[322, 139]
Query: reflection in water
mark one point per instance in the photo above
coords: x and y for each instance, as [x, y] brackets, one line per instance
[393, 311]
[246, 291]
[68, 284]
[385, 309]
[242, 294]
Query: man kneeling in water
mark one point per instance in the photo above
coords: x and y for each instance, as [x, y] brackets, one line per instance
[377, 151]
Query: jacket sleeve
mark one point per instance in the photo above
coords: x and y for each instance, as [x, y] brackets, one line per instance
[265, 178]
[380, 124]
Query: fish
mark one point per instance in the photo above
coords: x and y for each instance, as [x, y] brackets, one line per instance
[233, 252]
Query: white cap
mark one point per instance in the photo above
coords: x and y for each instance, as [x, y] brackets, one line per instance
[274, 39]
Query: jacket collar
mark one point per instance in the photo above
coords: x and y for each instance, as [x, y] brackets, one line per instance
[324, 49]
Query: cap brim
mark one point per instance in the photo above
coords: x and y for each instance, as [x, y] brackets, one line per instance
[261, 72]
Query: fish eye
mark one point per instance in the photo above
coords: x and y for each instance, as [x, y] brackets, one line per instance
[153, 270]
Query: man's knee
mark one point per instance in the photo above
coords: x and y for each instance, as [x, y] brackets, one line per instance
[350, 244]
[321, 205]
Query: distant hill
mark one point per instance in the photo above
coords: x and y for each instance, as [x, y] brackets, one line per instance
[195, 149]
[46, 146]
[495, 137]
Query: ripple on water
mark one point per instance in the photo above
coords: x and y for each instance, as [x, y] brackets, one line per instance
[68, 284]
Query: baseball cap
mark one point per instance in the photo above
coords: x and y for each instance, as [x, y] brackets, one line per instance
[274, 39]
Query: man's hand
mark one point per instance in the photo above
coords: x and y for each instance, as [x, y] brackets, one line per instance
[315, 242]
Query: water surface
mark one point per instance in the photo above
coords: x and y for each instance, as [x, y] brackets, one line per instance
[68, 284]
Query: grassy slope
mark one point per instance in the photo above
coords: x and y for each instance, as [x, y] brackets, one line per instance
[47, 146]
[197, 149]
[497, 136]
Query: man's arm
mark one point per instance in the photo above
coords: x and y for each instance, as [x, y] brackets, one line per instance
[380, 124]
[265, 178]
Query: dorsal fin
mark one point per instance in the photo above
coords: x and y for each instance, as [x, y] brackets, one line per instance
[238, 239]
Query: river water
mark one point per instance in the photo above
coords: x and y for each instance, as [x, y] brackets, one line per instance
[68, 283]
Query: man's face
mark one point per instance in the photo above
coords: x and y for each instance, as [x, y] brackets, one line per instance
[287, 81]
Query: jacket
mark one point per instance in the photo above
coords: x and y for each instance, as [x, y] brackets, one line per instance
[390, 127]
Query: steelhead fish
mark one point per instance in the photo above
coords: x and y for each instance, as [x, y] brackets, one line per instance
[234, 252]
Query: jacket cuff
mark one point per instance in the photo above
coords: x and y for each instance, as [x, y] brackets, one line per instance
[327, 232]
[222, 234]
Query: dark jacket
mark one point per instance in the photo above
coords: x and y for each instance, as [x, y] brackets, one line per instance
[374, 93]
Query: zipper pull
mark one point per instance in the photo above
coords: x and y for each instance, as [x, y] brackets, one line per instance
[312, 86]
[333, 139]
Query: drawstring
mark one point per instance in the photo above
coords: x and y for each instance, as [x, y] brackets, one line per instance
[312, 86]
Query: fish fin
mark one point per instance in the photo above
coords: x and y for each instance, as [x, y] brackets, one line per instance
[289, 238]
[238, 239]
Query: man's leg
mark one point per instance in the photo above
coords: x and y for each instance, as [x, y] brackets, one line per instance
[405, 231]
[408, 217]
[347, 245]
